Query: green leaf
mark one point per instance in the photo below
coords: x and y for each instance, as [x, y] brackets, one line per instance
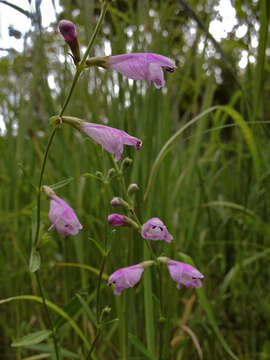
[139, 345]
[35, 261]
[209, 312]
[55, 308]
[32, 339]
[61, 183]
[238, 119]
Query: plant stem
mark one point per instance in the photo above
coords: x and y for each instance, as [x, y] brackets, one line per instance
[80, 66]
[88, 356]
[39, 186]
[98, 289]
[48, 316]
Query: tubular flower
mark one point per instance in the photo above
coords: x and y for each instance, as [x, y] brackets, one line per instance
[126, 277]
[69, 33]
[63, 217]
[154, 229]
[142, 66]
[185, 274]
[111, 139]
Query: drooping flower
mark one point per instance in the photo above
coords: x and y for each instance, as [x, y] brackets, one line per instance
[69, 33]
[62, 215]
[154, 229]
[126, 277]
[142, 66]
[117, 220]
[185, 274]
[111, 139]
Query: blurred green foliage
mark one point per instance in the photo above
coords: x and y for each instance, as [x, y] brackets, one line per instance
[205, 187]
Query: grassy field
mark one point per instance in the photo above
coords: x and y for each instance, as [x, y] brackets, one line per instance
[203, 169]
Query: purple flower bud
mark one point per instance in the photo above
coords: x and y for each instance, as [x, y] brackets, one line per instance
[117, 220]
[63, 217]
[68, 30]
[69, 33]
[142, 66]
[116, 202]
[126, 277]
[185, 274]
[111, 139]
[154, 229]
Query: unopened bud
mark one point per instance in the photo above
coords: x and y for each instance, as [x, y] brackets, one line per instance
[111, 173]
[121, 220]
[69, 33]
[126, 163]
[132, 189]
[117, 201]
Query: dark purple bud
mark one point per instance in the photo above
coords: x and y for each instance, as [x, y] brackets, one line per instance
[69, 33]
[68, 30]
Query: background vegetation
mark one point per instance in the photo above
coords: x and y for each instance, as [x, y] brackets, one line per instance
[210, 185]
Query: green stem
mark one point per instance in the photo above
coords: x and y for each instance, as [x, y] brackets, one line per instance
[89, 355]
[39, 186]
[80, 66]
[98, 289]
[48, 316]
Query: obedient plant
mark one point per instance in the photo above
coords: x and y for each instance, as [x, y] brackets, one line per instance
[154, 229]
[128, 277]
[62, 215]
[138, 66]
[111, 139]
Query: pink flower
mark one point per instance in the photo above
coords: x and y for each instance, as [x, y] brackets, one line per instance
[63, 217]
[142, 66]
[117, 220]
[185, 274]
[126, 277]
[154, 229]
[111, 139]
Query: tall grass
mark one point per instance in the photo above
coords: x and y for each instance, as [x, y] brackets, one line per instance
[203, 169]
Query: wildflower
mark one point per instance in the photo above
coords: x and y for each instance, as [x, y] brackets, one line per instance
[111, 139]
[142, 66]
[126, 277]
[185, 274]
[117, 220]
[154, 229]
[62, 215]
[69, 33]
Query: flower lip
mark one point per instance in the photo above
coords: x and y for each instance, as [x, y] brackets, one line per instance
[154, 229]
[169, 69]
